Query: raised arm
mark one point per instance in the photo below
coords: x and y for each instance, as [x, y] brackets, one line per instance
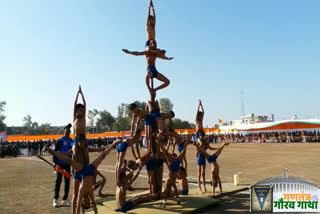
[149, 7]
[153, 13]
[201, 107]
[198, 109]
[136, 53]
[75, 104]
[83, 100]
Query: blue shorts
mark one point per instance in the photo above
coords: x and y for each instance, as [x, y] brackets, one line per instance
[74, 142]
[147, 44]
[149, 120]
[87, 170]
[184, 192]
[160, 163]
[175, 166]
[212, 158]
[128, 205]
[122, 147]
[196, 136]
[150, 165]
[153, 70]
[180, 147]
[155, 114]
[76, 176]
[201, 159]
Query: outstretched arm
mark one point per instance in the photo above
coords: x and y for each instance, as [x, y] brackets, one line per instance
[136, 53]
[211, 148]
[134, 178]
[162, 56]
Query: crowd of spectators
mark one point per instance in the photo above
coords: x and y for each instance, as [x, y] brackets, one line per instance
[31, 148]
[269, 137]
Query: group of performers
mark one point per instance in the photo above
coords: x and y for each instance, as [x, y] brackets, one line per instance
[158, 133]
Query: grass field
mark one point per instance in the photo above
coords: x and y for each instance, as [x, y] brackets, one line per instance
[26, 184]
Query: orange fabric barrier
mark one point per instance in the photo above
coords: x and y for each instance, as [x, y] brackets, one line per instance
[96, 135]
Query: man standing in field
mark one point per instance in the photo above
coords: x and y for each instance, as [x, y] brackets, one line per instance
[62, 145]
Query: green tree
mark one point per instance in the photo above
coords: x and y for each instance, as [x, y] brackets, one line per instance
[179, 124]
[2, 117]
[43, 128]
[123, 121]
[91, 115]
[122, 124]
[165, 105]
[105, 121]
[34, 128]
[27, 122]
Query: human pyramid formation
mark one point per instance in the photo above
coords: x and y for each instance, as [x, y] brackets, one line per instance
[157, 132]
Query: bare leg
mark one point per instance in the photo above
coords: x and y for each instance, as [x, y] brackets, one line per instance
[204, 178]
[76, 184]
[86, 155]
[119, 164]
[163, 79]
[199, 176]
[148, 78]
[185, 164]
[151, 181]
[77, 166]
[148, 130]
[142, 199]
[102, 155]
[176, 192]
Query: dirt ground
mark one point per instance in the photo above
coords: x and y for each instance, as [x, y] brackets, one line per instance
[26, 184]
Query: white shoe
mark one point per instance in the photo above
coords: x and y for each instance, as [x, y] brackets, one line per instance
[55, 202]
[66, 202]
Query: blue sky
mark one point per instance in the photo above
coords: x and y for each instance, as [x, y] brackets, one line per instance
[268, 48]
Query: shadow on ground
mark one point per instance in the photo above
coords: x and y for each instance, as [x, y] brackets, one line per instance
[237, 203]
